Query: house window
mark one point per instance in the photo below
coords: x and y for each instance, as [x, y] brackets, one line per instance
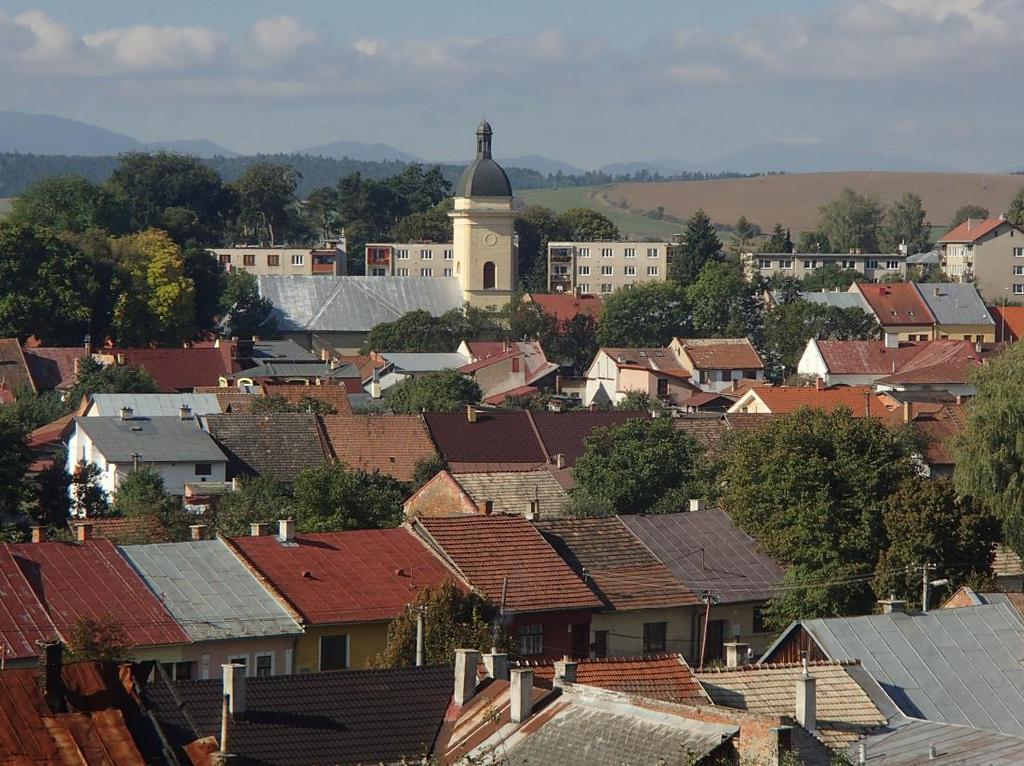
[662, 388]
[1018, 289]
[652, 252]
[378, 272]
[872, 263]
[652, 271]
[606, 271]
[1018, 252]
[447, 272]
[298, 259]
[489, 278]
[606, 288]
[426, 255]
[402, 255]
[582, 271]
[810, 264]
[764, 263]
[401, 272]
[848, 264]
[892, 265]
[606, 252]
[204, 469]
[530, 639]
[178, 671]
[786, 263]
[426, 272]
[654, 637]
[225, 258]
[561, 270]
[241, 659]
[631, 252]
[248, 259]
[1018, 271]
[703, 376]
[274, 260]
[629, 271]
[584, 288]
[264, 665]
[447, 255]
[760, 625]
[333, 652]
[584, 252]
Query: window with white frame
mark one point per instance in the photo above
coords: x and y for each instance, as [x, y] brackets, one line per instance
[401, 254]
[872, 263]
[583, 271]
[1018, 271]
[606, 271]
[264, 664]
[606, 288]
[447, 272]
[606, 252]
[1018, 289]
[1018, 252]
[426, 255]
[630, 252]
[426, 272]
[810, 264]
[652, 252]
[629, 271]
[448, 255]
[652, 271]
[401, 272]
[298, 259]
[584, 252]
[584, 288]
[892, 265]
[786, 263]
[764, 263]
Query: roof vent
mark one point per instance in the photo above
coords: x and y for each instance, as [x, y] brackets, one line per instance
[126, 413]
[185, 412]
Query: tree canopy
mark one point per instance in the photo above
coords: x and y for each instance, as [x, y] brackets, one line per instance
[246, 313]
[332, 497]
[968, 211]
[700, 245]
[851, 221]
[444, 391]
[649, 314]
[904, 223]
[582, 224]
[69, 203]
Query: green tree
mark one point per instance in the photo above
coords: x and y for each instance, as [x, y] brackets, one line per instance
[33, 410]
[1015, 213]
[700, 245]
[536, 226]
[831, 473]
[990, 453]
[528, 321]
[968, 211]
[643, 466]
[452, 619]
[743, 235]
[331, 497]
[50, 503]
[96, 378]
[789, 326]
[636, 400]
[209, 280]
[245, 313]
[851, 221]
[88, 498]
[431, 225]
[14, 459]
[813, 242]
[426, 469]
[258, 499]
[45, 285]
[266, 202]
[69, 203]
[142, 495]
[582, 224]
[649, 314]
[577, 343]
[102, 639]
[778, 241]
[419, 331]
[831, 278]
[321, 210]
[723, 302]
[926, 522]
[904, 223]
[444, 391]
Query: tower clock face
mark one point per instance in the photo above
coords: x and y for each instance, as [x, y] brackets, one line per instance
[491, 239]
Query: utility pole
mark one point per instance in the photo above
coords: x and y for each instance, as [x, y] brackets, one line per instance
[924, 586]
[419, 637]
[707, 616]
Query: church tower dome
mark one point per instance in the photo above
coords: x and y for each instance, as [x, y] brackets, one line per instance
[484, 177]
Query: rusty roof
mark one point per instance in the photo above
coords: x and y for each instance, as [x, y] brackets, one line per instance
[619, 568]
[865, 357]
[896, 304]
[74, 580]
[178, 369]
[492, 550]
[784, 399]
[565, 433]
[1009, 322]
[54, 368]
[721, 353]
[340, 577]
[566, 306]
[391, 444]
[332, 395]
[23, 620]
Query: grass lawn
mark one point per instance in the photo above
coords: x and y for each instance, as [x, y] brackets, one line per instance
[630, 225]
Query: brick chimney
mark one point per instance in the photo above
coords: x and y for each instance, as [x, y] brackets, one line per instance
[198, 531]
[819, 383]
[470, 413]
[259, 529]
[486, 507]
[806, 699]
[84, 532]
[521, 694]
[497, 665]
[51, 679]
[286, 530]
[908, 412]
[466, 661]
[38, 534]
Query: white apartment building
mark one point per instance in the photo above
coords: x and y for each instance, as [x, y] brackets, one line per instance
[599, 268]
[874, 266]
[328, 259]
[410, 259]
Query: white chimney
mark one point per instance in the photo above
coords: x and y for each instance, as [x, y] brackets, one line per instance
[892, 340]
[736, 654]
[470, 413]
[286, 530]
[565, 672]
[466, 661]
[893, 605]
[258, 529]
[696, 504]
[559, 460]
[126, 413]
[185, 412]
[806, 702]
[234, 687]
[497, 665]
[521, 694]
[375, 392]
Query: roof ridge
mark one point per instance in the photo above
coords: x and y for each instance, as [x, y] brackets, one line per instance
[266, 582]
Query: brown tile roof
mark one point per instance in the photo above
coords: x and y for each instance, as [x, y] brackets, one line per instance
[661, 677]
[1009, 322]
[896, 304]
[1006, 563]
[128, 530]
[178, 369]
[617, 566]
[655, 359]
[488, 549]
[865, 357]
[707, 430]
[391, 444]
[564, 306]
[721, 353]
[53, 368]
[14, 371]
[937, 429]
[229, 398]
[335, 396]
[495, 437]
[845, 712]
[972, 229]
[513, 491]
[281, 445]
[746, 421]
[565, 432]
[785, 399]
[364, 363]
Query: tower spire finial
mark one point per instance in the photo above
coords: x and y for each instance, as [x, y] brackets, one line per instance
[483, 140]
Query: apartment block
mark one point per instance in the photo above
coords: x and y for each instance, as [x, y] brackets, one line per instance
[328, 259]
[599, 268]
[989, 253]
[410, 259]
[874, 266]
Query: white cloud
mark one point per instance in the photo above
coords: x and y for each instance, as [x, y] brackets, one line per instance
[144, 48]
[52, 42]
[281, 36]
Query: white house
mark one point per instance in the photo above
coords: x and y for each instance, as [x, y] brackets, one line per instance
[175, 447]
[715, 365]
[653, 371]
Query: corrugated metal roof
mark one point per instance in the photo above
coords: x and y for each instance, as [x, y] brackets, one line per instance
[155, 440]
[838, 300]
[427, 362]
[151, 405]
[906, 742]
[929, 258]
[953, 303]
[209, 591]
[298, 369]
[354, 304]
[960, 666]
[23, 621]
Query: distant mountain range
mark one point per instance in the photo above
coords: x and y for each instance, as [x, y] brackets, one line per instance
[47, 134]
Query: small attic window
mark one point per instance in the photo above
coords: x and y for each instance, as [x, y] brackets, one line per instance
[137, 428]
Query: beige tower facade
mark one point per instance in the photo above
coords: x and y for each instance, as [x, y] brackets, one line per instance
[485, 256]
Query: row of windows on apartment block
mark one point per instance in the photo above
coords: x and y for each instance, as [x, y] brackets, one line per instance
[607, 252]
[606, 271]
[377, 272]
[274, 259]
[813, 263]
[186, 671]
[425, 255]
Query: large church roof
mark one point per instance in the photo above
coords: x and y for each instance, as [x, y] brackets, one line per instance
[484, 177]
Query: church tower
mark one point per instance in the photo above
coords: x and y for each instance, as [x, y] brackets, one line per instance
[485, 256]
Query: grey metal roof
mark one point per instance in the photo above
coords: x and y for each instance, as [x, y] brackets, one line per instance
[838, 300]
[483, 178]
[919, 259]
[354, 304]
[906, 742]
[953, 303]
[280, 349]
[426, 362]
[155, 440]
[153, 405]
[961, 666]
[299, 369]
[209, 591]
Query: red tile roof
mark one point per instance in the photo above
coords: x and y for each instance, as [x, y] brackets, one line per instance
[871, 357]
[23, 621]
[178, 369]
[335, 396]
[1009, 322]
[52, 434]
[564, 306]
[663, 677]
[783, 399]
[972, 230]
[74, 580]
[721, 353]
[391, 444]
[896, 304]
[488, 549]
[487, 361]
[337, 577]
[495, 437]
[499, 398]
[937, 429]
[53, 368]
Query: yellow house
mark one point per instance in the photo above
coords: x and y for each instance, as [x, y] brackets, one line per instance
[344, 588]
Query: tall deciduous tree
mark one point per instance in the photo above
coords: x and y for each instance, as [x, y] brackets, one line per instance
[582, 224]
[968, 211]
[723, 303]
[788, 327]
[1015, 213]
[331, 497]
[245, 312]
[643, 466]
[903, 223]
[69, 203]
[96, 378]
[419, 331]
[649, 314]
[778, 241]
[851, 222]
[700, 246]
[990, 453]
[258, 499]
[536, 226]
[832, 278]
[13, 462]
[431, 225]
[266, 201]
[445, 391]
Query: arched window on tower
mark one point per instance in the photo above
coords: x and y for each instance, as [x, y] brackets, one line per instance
[489, 275]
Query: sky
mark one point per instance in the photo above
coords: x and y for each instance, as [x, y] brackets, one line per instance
[585, 81]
